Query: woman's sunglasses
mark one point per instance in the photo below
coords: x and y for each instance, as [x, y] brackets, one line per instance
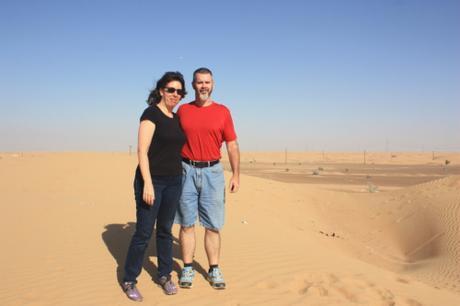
[171, 90]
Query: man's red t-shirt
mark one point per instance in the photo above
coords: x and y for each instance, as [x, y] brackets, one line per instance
[206, 128]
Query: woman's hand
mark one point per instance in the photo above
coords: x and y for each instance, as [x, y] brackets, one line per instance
[149, 194]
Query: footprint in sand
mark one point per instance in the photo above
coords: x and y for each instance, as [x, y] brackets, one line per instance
[402, 280]
[349, 290]
[411, 302]
[268, 285]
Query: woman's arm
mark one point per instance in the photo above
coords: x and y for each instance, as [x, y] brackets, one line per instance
[145, 135]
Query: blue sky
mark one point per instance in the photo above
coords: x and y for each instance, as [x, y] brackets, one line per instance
[302, 75]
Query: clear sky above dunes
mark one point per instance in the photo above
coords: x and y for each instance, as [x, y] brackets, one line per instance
[302, 75]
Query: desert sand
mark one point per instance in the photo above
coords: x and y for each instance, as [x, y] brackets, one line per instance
[304, 229]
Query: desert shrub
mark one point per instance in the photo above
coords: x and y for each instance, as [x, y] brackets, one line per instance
[372, 188]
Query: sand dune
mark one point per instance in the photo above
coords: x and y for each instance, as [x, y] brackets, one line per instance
[67, 219]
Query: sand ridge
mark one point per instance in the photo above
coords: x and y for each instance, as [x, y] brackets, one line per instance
[67, 219]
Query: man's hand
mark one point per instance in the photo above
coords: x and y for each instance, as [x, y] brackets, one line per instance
[234, 158]
[234, 184]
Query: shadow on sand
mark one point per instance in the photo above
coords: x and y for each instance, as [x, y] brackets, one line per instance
[117, 238]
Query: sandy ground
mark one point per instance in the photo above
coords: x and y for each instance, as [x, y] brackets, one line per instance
[383, 232]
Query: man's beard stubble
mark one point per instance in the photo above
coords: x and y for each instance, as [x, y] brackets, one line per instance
[205, 95]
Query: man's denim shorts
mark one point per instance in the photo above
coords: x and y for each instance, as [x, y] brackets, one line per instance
[203, 196]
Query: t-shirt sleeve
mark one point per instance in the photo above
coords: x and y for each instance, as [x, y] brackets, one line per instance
[149, 114]
[179, 110]
[229, 129]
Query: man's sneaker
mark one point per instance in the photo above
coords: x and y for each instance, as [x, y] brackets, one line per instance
[168, 286]
[131, 291]
[186, 277]
[216, 279]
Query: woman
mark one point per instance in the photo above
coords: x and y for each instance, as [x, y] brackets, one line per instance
[158, 182]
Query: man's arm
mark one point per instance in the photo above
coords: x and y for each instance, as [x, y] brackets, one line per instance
[234, 158]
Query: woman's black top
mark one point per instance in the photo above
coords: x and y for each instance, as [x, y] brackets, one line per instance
[168, 139]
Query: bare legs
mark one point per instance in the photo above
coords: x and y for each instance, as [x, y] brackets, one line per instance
[187, 243]
[211, 243]
[212, 246]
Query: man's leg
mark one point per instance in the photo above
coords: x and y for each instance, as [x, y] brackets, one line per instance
[187, 213]
[212, 210]
[212, 245]
[187, 242]
[186, 217]
[212, 213]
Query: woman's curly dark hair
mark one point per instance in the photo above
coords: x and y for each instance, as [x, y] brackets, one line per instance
[154, 96]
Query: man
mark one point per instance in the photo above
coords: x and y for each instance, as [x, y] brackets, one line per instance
[206, 124]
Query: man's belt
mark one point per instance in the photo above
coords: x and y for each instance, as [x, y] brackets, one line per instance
[200, 164]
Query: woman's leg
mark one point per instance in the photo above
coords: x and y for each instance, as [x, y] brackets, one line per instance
[165, 220]
[146, 216]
